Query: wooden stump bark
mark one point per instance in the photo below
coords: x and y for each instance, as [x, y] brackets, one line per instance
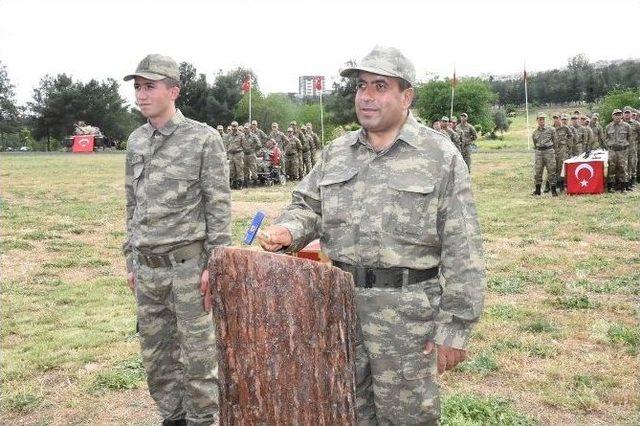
[285, 338]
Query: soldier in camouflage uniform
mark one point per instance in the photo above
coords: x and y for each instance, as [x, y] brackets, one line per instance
[544, 142]
[236, 146]
[392, 204]
[250, 162]
[580, 136]
[453, 136]
[307, 144]
[178, 209]
[281, 140]
[617, 135]
[564, 118]
[298, 134]
[291, 152]
[468, 136]
[258, 132]
[590, 139]
[563, 136]
[634, 140]
[317, 144]
[598, 131]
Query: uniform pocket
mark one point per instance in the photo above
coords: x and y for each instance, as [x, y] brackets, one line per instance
[336, 193]
[180, 188]
[413, 218]
[418, 365]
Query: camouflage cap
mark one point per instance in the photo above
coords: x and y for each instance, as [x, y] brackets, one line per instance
[616, 111]
[445, 118]
[293, 123]
[595, 115]
[555, 115]
[234, 124]
[289, 129]
[156, 67]
[254, 122]
[464, 114]
[574, 115]
[564, 117]
[627, 109]
[387, 61]
[541, 115]
[454, 119]
[219, 127]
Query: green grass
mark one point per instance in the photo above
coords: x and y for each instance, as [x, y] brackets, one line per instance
[127, 375]
[628, 336]
[471, 410]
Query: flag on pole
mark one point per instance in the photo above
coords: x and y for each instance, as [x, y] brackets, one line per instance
[318, 83]
[526, 104]
[246, 85]
[454, 81]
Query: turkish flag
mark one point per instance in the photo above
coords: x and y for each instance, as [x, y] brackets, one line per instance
[584, 175]
[318, 83]
[246, 85]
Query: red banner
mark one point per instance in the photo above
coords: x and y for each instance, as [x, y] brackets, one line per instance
[318, 83]
[246, 85]
[585, 177]
[82, 143]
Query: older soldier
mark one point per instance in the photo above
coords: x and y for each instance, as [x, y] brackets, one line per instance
[392, 205]
[544, 142]
[468, 136]
[252, 147]
[580, 136]
[258, 132]
[598, 131]
[317, 144]
[291, 152]
[446, 128]
[178, 209]
[236, 147]
[617, 135]
[563, 136]
[634, 140]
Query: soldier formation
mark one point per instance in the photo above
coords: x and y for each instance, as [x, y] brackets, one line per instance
[248, 151]
[463, 134]
[555, 144]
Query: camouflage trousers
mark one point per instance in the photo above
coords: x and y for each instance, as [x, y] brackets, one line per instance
[306, 160]
[545, 159]
[177, 340]
[577, 149]
[314, 154]
[618, 165]
[293, 166]
[396, 383]
[466, 155]
[633, 160]
[561, 155]
[236, 166]
[250, 167]
[301, 171]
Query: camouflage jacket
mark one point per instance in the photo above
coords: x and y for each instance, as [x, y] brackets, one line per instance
[237, 143]
[598, 134]
[262, 136]
[563, 135]
[580, 135]
[177, 188]
[545, 137]
[468, 134]
[293, 146]
[306, 141]
[279, 137]
[316, 142]
[454, 137]
[407, 206]
[634, 135]
[253, 143]
[617, 135]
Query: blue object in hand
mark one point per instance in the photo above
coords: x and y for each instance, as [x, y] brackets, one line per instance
[254, 228]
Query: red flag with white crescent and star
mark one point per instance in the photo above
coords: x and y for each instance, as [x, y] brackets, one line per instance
[246, 85]
[318, 83]
[586, 177]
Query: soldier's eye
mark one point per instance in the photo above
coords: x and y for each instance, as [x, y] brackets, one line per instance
[360, 85]
[380, 86]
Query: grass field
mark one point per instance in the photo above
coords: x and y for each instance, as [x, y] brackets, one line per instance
[558, 342]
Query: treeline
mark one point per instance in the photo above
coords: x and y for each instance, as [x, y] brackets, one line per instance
[580, 81]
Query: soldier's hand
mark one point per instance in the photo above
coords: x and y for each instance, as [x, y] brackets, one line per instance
[274, 238]
[131, 281]
[207, 300]
[448, 357]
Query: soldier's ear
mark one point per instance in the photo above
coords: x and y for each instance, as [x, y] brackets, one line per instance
[174, 92]
[407, 97]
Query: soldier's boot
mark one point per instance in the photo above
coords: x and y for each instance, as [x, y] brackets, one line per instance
[621, 186]
[179, 422]
[560, 185]
[627, 185]
[638, 178]
[537, 190]
[546, 187]
[609, 186]
[554, 193]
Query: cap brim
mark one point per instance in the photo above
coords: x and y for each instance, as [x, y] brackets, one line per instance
[353, 72]
[147, 75]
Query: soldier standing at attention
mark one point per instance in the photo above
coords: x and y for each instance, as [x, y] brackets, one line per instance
[563, 136]
[236, 146]
[598, 131]
[544, 142]
[453, 136]
[291, 152]
[617, 135]
[178, 209]
[589, 138]
[252, 148]
[564, 118]
[634, 140]
[307, 144]
[579, 134]
[317, 144]
[468, 135]
[392, 205]
[258, 132]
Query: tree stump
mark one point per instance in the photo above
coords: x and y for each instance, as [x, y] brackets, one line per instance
[285, 338]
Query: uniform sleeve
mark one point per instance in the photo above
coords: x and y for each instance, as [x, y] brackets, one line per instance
[303, 216]
[216, 194]
[130, 208]
[462, 265]
[474, 133]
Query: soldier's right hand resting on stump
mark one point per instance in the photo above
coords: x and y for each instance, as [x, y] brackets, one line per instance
[274, 238]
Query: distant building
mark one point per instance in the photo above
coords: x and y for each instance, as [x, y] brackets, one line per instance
[307, 86]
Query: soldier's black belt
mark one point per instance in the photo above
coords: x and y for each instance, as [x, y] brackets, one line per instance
[618, 148]
[543, 148]
[386, 277]
[172, 258]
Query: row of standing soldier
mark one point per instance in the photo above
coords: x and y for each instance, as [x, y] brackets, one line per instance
[555, 144]
[462, 134]
[245, 143]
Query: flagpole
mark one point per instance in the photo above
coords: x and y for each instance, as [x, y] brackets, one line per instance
[250, 87]
[453, 92]
[321, 116]
[526, 107]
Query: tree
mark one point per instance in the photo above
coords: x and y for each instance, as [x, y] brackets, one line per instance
[9, 111]
[340, 104]
[472, 95]
[194, 94]
[617, 99]
[501, 123]
[226, 93]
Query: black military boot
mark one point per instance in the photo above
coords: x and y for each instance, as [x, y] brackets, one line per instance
[179, 422]
[627, 185]
[609, 186]
[621, 186]
[638, 178]
[554, 193]
[537, 190]
[560, 185]
[546, 187]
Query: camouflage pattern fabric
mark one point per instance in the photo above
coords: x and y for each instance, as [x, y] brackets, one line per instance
[580, 140]
[563, 138]
[455, 138]
[598, 134]
[590, 139]
[617, 140]
[634, 141]
[545, 143]
[315, 147]
[177, 191]
[407, 206]
[468, 135]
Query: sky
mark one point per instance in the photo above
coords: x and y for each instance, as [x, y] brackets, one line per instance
[281, 40]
